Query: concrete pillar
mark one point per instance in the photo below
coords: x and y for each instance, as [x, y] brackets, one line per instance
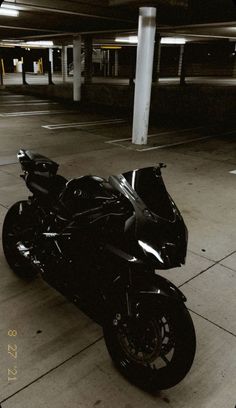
[181, 57]
[143, 79]
[1, 71]
[116, 72]
[104, 59]
[77, 68]
[50, 57]
[24, 82]
[156, 58]
[234, 63]
[183, 66]
[108, 63]
[88, 59]
[64, 63]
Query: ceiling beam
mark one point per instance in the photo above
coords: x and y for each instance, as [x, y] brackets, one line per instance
[29, 29]
[69, 8]
[176, 3]
[72, 34]
[208, 25]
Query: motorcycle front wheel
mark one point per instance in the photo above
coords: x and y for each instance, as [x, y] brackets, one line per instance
[155, 351]
[17, 237]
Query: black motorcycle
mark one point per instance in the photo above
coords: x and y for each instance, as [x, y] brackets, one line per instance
[101, 244]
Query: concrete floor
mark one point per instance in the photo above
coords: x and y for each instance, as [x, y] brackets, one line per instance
[62, 360]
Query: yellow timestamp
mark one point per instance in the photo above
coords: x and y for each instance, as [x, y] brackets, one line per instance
[12, 351]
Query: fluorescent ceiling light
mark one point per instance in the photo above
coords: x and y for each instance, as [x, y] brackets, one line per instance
[9, 12]
[132, 39]
[173, 40]
[40, 43]
[13, 6]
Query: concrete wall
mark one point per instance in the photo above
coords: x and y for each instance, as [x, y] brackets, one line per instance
[64, 91]
[173, 101]
[191, 101]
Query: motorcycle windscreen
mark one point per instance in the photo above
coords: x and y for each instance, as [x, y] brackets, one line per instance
[169, 237]
[149, 186]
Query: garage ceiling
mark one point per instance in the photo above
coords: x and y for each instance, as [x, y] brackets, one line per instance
[40, 19]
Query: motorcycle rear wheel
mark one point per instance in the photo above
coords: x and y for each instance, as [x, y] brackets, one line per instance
[19, 226]
[155, 351]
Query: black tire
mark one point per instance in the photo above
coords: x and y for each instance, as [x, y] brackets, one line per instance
[19, 225]
[170, 335]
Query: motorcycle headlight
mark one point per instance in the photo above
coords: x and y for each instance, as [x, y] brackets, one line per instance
[148, 249]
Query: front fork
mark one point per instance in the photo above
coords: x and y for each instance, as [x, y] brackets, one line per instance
[129, 306]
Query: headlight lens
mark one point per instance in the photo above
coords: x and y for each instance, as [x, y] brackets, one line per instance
[147, 248]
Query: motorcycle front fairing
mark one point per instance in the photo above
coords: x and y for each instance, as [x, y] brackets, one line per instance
[160, 232]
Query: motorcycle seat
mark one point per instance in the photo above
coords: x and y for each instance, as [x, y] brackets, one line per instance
[44, 186]
[34, 162]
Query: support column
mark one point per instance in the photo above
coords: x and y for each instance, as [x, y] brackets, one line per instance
[234, 63]
[159, 61]
[88, 59]
[1, 71]
[144, 68]
[156, 58]
[77, 68]
[64, 63]
[50, 81]
[108, 63]
[50, 57]
[183, 66]
[24, 82]
[116, 73]
[181, 57]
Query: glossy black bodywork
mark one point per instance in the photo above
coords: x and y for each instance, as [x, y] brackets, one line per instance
[94, 237]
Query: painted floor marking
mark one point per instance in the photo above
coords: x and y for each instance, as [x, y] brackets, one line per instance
[28, 103]
[185, 141]
[173, 144]
[233, 172]
[157, 134]
[84, 124]
[34, 113]
[6, 101]
[12, 96]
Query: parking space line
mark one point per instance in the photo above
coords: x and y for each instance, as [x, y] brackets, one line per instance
[35, 113]
[28, 103]
[84, 124]
[186, 141]
[173, 144]
[5, 100]
[158, 134]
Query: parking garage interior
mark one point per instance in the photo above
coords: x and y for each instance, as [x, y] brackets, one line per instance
[79, 110]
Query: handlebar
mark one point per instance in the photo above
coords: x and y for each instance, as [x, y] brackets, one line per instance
[108, 207]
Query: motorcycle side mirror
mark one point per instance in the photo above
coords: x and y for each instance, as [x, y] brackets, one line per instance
[157, 170]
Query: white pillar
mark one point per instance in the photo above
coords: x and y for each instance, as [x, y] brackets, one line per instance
[181, 56]
[116, 63]
[64, 63]
[50, 57]
[77, 68]
[143, 79]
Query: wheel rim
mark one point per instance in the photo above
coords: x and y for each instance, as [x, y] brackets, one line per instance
[19, 237]
[149, 343]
